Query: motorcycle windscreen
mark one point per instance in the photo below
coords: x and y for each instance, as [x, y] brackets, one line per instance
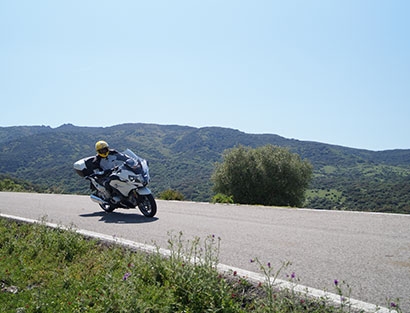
[143, 162]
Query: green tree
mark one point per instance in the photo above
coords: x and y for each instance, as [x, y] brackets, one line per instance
[267, 175]
[9, 185]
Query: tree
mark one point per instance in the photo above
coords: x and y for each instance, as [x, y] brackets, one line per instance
[9, 185]
[267, 175]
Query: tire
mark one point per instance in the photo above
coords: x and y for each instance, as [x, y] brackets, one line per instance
[148, 206]
[107, 207]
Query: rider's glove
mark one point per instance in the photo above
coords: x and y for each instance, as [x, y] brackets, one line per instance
[100, 173]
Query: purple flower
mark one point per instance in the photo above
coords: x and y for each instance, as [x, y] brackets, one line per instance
[252, 260]
[393, 305]
[293, 275]
[126, 275]
[269, 264]
[336, 282]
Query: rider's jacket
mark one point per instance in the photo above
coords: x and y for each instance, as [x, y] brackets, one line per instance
[113, 159]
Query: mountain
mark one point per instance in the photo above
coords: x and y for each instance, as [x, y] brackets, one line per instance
[182, 158]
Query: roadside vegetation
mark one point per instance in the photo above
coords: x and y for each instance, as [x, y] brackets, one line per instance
[171, 194]
[267, 175]
[221, 198]
[53, 270]
[8, 183]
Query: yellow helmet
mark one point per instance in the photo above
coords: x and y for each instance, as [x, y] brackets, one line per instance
[102, 148]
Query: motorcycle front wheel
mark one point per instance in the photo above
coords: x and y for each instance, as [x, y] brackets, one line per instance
[147, 206]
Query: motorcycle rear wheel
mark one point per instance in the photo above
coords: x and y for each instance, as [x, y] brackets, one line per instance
[148, 206]
[107, 207]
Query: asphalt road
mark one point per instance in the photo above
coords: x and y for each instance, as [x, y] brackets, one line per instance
[371, 252]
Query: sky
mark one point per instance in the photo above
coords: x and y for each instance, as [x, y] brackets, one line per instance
[336, 72]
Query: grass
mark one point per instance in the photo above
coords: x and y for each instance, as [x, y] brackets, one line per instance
[53, 270]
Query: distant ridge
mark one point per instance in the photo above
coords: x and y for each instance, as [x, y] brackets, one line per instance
[182, 158]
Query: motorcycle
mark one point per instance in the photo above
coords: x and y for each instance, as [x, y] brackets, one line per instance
[128, 180]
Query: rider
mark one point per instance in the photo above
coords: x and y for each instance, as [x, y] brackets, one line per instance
[106, 160]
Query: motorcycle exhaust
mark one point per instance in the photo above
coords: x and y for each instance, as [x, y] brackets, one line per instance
[98, 200]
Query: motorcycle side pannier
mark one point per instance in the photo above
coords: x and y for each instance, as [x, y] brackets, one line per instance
[83, 167]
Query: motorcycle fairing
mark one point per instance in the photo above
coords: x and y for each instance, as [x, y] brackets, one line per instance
[144, 191]
[122, 187]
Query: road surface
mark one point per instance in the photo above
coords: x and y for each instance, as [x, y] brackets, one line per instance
[371, 252]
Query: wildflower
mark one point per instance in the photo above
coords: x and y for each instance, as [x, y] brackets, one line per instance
[269, 264]
[393, 305]
[213, 236]
[69, 303]
[183, 264]
[336, 282]
[233, 295]
[302, 301]
[252, 260]
[293, 275]
[260, 284]
[126, 275]
[235, 273]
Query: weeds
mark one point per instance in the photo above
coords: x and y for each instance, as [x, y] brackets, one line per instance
[221, 198]
[49, 270]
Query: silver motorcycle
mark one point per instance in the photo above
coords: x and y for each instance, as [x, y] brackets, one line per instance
[128, 181]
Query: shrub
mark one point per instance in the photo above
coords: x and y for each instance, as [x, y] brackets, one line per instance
[171, 195]
[266, 175]
[221, 198]
[9, 185]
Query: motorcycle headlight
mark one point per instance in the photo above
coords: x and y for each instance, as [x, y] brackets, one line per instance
[136, 178]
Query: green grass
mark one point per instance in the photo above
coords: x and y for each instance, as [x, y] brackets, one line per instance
[53, 270]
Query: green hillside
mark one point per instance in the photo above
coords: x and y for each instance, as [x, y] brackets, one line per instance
[182, 158]
[8, 183]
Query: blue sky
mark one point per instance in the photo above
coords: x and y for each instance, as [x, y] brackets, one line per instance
[330, 71]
